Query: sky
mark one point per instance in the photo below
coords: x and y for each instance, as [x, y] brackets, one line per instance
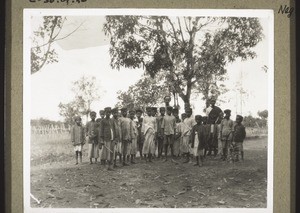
[86, 52]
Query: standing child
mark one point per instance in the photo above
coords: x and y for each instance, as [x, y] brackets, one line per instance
[91, 132]
[154, 115]
[179, 130]
[198, 140]
[149, 129]
[106, 137]
[168, 128]
[221, 116]
[226, 130]
[98, 120]
[206, 134]
[176, 145]
[134, 134]
[139, 123]
[160, 135]
[118, 136]
[77, 138]
[189, 122]
[239, 136]
[126, 134]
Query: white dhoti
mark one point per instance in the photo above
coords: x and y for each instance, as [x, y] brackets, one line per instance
[149, 144]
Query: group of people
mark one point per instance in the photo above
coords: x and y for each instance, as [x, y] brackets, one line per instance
[125, 134]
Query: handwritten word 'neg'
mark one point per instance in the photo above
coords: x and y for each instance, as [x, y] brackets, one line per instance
[286, 10]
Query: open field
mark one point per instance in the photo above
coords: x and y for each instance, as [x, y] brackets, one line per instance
[57, 182]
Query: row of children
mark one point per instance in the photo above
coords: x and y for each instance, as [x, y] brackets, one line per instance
[123, 135]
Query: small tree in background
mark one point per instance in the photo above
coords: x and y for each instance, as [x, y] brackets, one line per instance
[86, 91]
[68, 111]
[263, 114]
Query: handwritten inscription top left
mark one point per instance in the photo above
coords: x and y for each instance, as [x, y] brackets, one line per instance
[58, 1]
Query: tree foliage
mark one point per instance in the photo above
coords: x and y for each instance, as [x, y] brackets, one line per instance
[263, 114]
[192, 52]
[146, 92]
[86, 90]
[45, 122]
[260, 122]
[42, 50]
[69, 111]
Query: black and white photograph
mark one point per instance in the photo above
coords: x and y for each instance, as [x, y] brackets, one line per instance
[148, 109]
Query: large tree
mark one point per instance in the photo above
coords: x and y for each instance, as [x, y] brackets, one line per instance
[192, 52]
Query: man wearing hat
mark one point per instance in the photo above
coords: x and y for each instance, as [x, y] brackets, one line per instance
[226, 129]
[139, 123]
[239, 136]
[160, 134]
[126, 134]
[107, 137]
[214, 112]
[118, 147]
[213, 120]
[149, 130]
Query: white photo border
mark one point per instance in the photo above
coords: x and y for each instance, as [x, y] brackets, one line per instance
[28, 13]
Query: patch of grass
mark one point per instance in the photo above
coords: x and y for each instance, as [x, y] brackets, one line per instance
[51, 148]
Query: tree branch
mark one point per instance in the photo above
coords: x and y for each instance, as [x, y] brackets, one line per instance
[52, 39]
[174, 31]
[180, 30]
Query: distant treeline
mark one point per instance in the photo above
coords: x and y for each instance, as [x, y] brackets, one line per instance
[47, 122]
[250, 121]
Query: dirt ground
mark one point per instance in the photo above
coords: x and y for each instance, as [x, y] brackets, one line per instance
[56, 182]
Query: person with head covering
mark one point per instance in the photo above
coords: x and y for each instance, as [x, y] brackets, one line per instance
[149, 131]
[91, 132]
[107, 137]
[168, 127]
[197, 142]
[160, 135]
[213, 120]
[126, 132]
[139, 123]
[226, 130]
[77, 138]
[239, 136]
[118, 136]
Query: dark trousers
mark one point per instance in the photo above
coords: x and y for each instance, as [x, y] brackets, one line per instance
[160, 145]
